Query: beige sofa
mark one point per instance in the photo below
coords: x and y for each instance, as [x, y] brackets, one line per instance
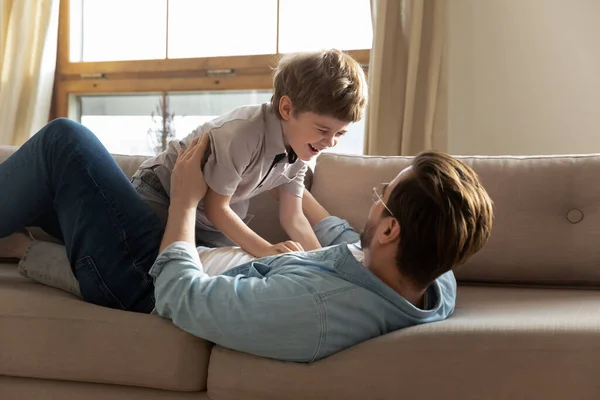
[526, 325]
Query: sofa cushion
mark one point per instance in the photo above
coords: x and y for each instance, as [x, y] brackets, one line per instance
[547, 226]
[46, 333]
[6, 151]
[524, 343]
[12, 388]
[129, 163]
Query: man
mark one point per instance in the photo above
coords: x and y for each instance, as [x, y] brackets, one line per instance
[297, 306]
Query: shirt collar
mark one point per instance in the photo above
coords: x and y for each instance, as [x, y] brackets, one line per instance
[353, 270]
[275, 144]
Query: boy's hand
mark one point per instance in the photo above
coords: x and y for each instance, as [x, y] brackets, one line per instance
[187, 180]
[283, 247]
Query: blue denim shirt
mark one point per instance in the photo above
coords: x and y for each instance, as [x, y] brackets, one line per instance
[296, 306]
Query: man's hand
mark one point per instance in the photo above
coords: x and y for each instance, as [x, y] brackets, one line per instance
[187, 180]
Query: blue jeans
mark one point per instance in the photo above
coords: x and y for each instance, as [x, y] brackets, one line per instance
[64, 181]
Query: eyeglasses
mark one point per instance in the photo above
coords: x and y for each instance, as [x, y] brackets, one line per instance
[378, 192]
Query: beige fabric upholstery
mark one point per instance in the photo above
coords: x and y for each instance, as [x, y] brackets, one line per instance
[502, 343]
[6, 151]
[12, 388]
[539, 200]
[129, 164]
[46, 333]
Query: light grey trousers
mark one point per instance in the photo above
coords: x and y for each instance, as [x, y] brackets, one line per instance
[47, 263]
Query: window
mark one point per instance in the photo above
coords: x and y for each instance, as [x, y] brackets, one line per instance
[117, 30]
[133, 124]
[119, 59]
[307, 25]
[249, 29]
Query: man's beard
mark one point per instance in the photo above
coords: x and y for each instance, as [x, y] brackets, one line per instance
[366, 237]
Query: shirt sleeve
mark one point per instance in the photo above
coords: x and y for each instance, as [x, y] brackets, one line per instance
[276, 317]
[296, 186]
[333, 230]
[231, 150]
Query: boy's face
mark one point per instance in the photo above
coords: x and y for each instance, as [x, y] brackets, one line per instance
[309, 133]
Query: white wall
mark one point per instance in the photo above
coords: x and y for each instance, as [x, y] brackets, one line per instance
[524, 76]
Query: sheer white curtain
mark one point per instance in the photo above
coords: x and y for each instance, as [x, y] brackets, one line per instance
[28, 43]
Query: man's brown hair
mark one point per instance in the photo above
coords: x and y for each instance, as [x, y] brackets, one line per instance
[327, 82]
[445, 216]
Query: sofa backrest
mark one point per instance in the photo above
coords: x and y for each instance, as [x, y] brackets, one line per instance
[547, 225]
[547, 212]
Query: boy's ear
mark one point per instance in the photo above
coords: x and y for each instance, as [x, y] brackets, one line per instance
[285, 108]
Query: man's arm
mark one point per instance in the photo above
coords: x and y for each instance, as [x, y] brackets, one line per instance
[294, 222]
[228, 310]
[180, 227]
[186, 192]
[229, 223]
[274, 317]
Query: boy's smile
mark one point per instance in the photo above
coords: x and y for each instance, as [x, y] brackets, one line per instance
[309, 133]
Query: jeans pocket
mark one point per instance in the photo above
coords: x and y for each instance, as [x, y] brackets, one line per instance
[93, 288]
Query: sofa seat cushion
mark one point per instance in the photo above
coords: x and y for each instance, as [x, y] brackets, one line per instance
[49, 334]
[524, 343]
[12, 388]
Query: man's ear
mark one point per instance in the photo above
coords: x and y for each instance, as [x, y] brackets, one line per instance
[391, 231]
[285, 108]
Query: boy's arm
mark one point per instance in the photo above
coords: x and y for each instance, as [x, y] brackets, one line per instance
[313, 210]
[229, 223]
[330, 230]
[229, 155]
[294, 222]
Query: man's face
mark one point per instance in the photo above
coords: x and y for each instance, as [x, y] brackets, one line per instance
[376, 213]
[309, 134]
[366, 237]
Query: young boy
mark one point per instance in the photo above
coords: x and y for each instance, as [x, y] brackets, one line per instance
[260, 147]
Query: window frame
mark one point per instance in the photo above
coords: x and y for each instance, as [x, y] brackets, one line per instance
[249, 72]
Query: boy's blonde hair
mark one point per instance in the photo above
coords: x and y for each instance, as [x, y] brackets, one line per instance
[328, 82]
